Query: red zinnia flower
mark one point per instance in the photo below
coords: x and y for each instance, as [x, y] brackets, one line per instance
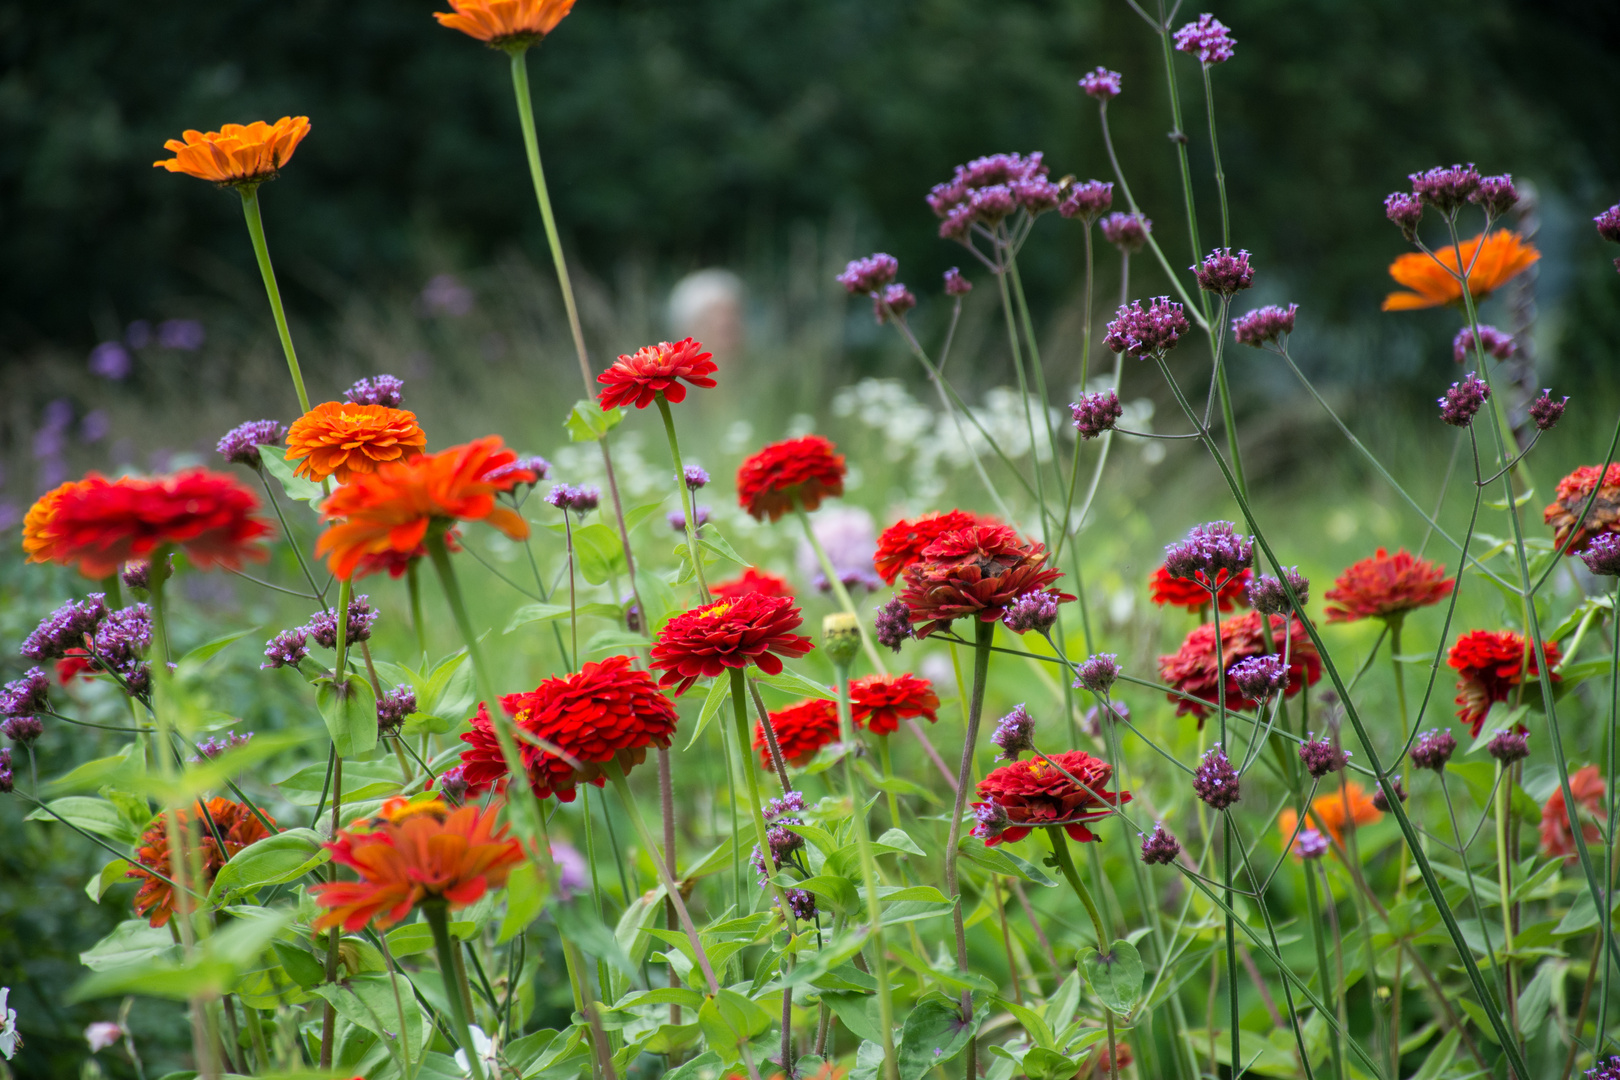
[1168, 591]
[804, 470]
[411, 852]
[1033, 793]
[802, 729]
[1193, 668]
[236, 824]
[974, 571]
[1557, 837]
[752, 580]
[705, 641]
[1488, 667]
[390, 510]
[1385, 586]
[605, 711]
[1573, 491]
[98, 524]
[901, 543]
[656, 369]
[880, 702]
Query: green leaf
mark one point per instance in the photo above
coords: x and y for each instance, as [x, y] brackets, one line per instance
[1115, 977]
[119, 770]
[934, 1034]
[658, 600]
[729, 1019]
[281, 469]
[203, 653]
[110, 875]
[858, 1012]
[1536, 997]
[351, 719]
[578, 923]
[300, 964]
[97, 816]
[719, 691]
[1043, 1064]
[284, 857]
[711, 540]
[132, 942]
[599, 553]
[369, 1002]
[587, 422]
[541, 613]
[898, 840]
[702, 1067]
[792, 682]
[362, 780]
[998, 860]
[444, 698]
[614, 641]
[839, 893]
[525, 896]
[212, 969]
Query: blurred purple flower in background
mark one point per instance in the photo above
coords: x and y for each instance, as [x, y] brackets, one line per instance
[444, 294]
[111, 360]
[187, 335]
[849, 537]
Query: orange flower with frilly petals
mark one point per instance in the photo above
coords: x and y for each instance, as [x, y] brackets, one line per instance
[1491, 261]
[237, 155]
[974, 572]
[880, 702]
[392, 508]
[237, 825]
[1573, 491]
[505, 23]
[1386, 586]
[413, 852]
[636, 379]
[98, 524]
[1557, 835]
[1332, 811]
[339, 439]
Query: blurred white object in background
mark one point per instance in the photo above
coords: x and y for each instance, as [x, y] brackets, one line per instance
[708, 305]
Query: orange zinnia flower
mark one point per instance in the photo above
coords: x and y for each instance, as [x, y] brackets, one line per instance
[1573, 491]
[505, 23]
[392, 508]
[411, 852]
[237, 155]
[1333, 811]
[99, 525]
[237, 825]
[1501, 256]
[1557, 835]
[339, 439]
[1386, 586]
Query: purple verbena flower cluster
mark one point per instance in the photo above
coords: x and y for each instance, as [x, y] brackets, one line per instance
[1215, 781]
[987, 190]
[1602, 554]
[1160, 848]
[286, 649]
[7, 780]
[895, 300]
[581, 499]
[1264, 325]
[1380, 800]
[322, 625]
[453, 784]
[1138, 333]
[1101, 84]
[696, 476]
[1224, 273]
[394, 706]
[1267, 595]
[1209, 549]
[1433, 749]
[1509, 746]
[1128, 232]
[1259, 677]
[1087, 201]
[377, 390]
[1096, 413]
[210, 748]
[1445, 187]
[1495, 194]
[22, 729]
[1097, 673]
[1405, 210]
[534, 463]
[1208, 39]
[1015, 734]
[1310, 844]
[1493, 341]
[677, 519]
[893, 624]
[1035, 610]
[240, 445]
[990, 819]
[865, 277]
[956, 284]
[1547, 410]
[65, 628]
[1463, 400]
[27, 695]
[1321, 757]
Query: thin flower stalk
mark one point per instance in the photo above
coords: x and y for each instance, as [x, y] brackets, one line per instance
[839, 592]
[261, 252]
[985, 634]
[688, 499]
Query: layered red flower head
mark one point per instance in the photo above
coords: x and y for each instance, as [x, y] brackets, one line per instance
[1386, 586]
[97, 525]
[879, 702]
[1489, 665]
[413, 852]
[1193, 668]
[1035, 792]
[1573, 491]
[638, 378]
[705, 641]
[751, 580]
[237, 826]
[1193, 593]
[973, 572]
[1557, 833]
[802, 729]
[604, 712]
[901, 543]
[802, 471]
[391, 509]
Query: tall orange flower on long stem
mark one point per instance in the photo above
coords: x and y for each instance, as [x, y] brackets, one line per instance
[340, 439]
[1489, 261]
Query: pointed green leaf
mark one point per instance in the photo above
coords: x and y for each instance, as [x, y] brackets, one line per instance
[1115, 977]
[587, 422]
[296, 487]
[351, 719]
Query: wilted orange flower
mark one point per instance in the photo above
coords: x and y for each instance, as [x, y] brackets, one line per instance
[339, 439]
[412, 852]
[1332, 811]
[505, 23]
[236, 824]
[1557, 838]
[1386, 586]
[1501, 256]
[391, 509]
[98, 524]
[237, 155]
[1573, 491]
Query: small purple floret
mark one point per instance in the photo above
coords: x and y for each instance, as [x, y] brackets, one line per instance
[1096, 413]
[1493, 341]
[1267, 595]
[1464, 400]
[394, 706]
[1138, 333]
[1101, 84]
[240, 445]
[1215, 781]
[377, 390]
[1098, 673]
[893, 624]
[581, 499]
[1602, 554]
[1035, 610]
[1088, 201]
[863, 277]
[1321, 757]
[1128, 232]
[1160, 848]
[1209, 549]
[956, 284]
[322, 626]
[1223, 272]
[1509, 746]
[1433, 749]
[1208, 39]
[1547, 410]
[1264, 325]
[1445, 188]
[1015, 734]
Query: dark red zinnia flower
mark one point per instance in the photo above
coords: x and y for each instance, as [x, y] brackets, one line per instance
[1033, 793]
[802, 471]
[1489, 665]
[705, 641]
[1573, 491]
[98, 525]
[752, 580]
[1557, 834]
[1193, 668]
[901, 543]
[656, 369]
[605, 711]
[1386, 585]
[1168, 591]
[974, 571]
[802, 729]
[238, 827]
[880, 702]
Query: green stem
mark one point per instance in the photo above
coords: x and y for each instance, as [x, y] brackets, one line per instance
[953, 887]
[1504, 784]
[1215, 152]
[844, 601]
[1313, 910]
[455, 989]
[739, 709]
[885, 760]
[261, 251]
[413, 581]
[1609, 848]
[863, 841]
[1023, 393]
[1065, 862]
[688, 497]
[573, 600]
